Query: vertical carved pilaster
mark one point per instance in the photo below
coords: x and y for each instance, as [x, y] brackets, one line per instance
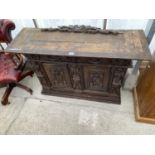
[116, 80]
[43, 78]
[76, 76]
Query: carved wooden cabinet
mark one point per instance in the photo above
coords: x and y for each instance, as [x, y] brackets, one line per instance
[91, 78]
[81, 65]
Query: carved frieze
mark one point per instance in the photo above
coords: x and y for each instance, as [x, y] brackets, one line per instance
[80, 60]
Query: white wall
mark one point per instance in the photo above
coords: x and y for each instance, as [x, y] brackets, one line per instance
[127, 24]
[144, 24]
[20, 23]
[59, 22]
[152, 45]
[111, 23]
[148, 26]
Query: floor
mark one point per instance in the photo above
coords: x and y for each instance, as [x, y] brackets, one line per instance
[42, 114]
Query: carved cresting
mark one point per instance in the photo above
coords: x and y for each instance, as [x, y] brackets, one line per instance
[76, 76]
[81, 29]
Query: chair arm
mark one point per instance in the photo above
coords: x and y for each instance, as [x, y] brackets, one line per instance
[21, 61]
[5, 30]
[18, 59]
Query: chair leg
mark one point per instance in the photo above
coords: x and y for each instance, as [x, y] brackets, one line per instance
[2, 85]
[29, 73]
[24, 87]
[5, 97]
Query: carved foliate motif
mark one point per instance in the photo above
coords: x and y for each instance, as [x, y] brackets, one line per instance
[81, 29]
[75, 75]
[117, 79]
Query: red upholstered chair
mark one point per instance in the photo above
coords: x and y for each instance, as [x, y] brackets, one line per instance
[11, 65]
[6, 26]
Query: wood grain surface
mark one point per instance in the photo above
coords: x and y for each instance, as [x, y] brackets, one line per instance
[129, 44]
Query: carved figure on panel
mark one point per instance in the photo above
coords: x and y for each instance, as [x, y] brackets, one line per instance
[59, 77]
[118, 77]
[96, 80]
[117, 80]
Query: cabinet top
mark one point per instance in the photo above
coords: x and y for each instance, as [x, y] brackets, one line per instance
[127, 44]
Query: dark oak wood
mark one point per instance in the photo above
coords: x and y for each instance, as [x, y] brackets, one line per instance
[81, 65]
[129, 44]
[92, 78]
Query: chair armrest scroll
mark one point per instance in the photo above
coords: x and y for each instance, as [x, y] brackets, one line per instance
[5, 30]
[21, 61]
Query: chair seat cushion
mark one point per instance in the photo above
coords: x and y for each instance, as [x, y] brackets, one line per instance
[8, 73]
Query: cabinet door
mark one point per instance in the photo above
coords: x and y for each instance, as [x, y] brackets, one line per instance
[58, 76]
[96, 78]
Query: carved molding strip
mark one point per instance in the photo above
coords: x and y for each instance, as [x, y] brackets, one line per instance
[80, 60]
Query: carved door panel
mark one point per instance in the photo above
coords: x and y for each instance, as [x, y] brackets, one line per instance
[96, 78]
[58, 76]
